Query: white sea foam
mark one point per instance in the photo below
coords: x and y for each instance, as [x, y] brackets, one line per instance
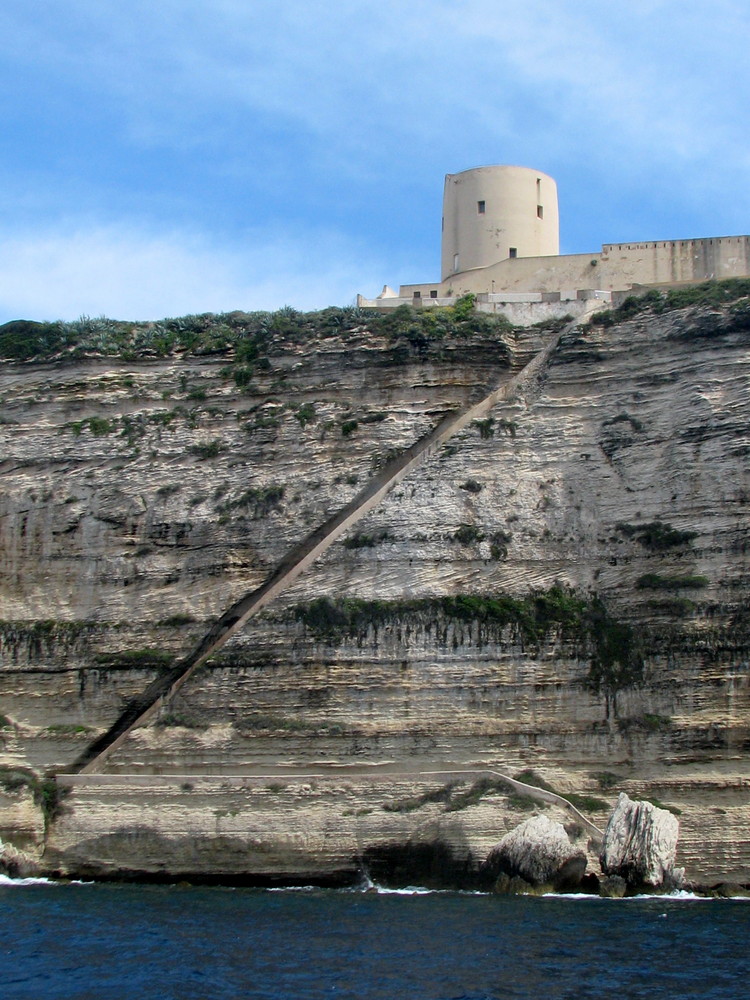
[6, 880]
[39, 880]
[409, 890]
[680, 895]
[291, 888]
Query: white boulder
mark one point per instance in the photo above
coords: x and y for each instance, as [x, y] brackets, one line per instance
[640, 844]
[539, 852]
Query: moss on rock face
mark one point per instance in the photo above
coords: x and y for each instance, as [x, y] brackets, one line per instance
[614, 650]
[533, 615]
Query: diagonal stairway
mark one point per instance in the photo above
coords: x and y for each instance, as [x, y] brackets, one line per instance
[147, 704]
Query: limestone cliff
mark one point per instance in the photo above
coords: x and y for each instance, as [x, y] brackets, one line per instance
[560, 592]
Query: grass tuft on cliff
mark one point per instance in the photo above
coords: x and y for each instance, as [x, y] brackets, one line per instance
[247, 338]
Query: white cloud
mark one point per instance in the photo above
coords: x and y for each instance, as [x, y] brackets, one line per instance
[127, 274]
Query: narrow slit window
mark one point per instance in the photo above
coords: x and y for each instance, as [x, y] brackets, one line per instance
[513, 252]
[455, 261]
[480, 208]
[540, 211]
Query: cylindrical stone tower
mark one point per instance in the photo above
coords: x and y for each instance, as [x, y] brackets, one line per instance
[492, 213]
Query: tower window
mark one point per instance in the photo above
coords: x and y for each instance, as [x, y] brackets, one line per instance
[455, 261]
[480, 208]
[513, 252]
[540, 211]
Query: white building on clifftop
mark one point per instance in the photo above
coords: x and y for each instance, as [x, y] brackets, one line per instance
[501, 239]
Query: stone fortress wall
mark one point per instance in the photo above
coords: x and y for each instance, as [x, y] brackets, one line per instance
[500, 242]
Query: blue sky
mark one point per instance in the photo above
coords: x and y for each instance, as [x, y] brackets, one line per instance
[176, 156]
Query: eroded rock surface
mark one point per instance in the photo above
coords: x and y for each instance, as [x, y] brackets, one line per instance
[539, 852]
[640, 845]
[15, 863]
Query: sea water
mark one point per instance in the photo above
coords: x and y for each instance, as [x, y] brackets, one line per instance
[101, 941]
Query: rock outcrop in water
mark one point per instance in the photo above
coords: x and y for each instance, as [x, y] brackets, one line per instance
[15, 863]
[640, 845]
[561, 589]
[537, 852]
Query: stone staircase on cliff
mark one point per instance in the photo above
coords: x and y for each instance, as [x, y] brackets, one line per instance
[147, 704]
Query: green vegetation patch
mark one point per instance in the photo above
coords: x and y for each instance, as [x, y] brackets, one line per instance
[708, 293]
[530, 777]
[177, 621]
[587, 803]
[305, 414]
[533, 615]
[616, 657]
[467, 534]
[48, 796]
[656, 535]
[453, 796]
[485, 427]
[365, 541]
[471, 486]
[207, 449]
[606, 780]
[415, 802]
[125, 659]
[23, 339]
[40, 634]
[473, 795]
[258, 501]
[13, 779]
[98, 426]
[249, 340]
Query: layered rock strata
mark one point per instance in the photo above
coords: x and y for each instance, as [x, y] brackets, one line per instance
[607, 503]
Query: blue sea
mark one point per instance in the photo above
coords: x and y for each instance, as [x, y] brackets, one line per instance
[101, 941]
